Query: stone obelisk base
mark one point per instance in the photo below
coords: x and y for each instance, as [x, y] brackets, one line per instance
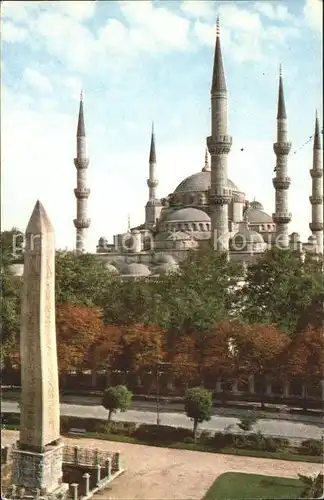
[40, 471]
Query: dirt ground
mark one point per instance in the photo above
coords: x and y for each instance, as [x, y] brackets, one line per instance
[164, 474]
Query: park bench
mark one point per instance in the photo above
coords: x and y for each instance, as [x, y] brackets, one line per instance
[77, 432]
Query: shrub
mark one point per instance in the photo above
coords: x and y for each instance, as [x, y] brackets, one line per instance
[189, 440]
[161, 433]
[10, 419]
[247, 421]
[205, 437]
[312, 447]
[120, 428]
[220, 440]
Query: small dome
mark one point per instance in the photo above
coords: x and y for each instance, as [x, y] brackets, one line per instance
[137, 269]
[163, 258]
[112, 269]
[103, 241]
[179, 235]
[312, 239]
[199, 182]
[119, 263]
[257, 216]
[256, 205]
[189, 214]
[295, 236]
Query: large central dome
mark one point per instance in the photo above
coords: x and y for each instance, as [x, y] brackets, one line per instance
[199, 182]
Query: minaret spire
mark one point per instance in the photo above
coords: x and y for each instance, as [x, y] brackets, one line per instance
[206, 166]
[281, 182]
[218, 82]
[81, 162]
[316, 199]
[153, 206]
[219, 145]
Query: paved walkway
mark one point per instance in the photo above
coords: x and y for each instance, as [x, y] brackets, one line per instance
[269, 427]
[161, 473]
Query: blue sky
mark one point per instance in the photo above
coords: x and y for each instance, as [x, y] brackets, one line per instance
[143, 61]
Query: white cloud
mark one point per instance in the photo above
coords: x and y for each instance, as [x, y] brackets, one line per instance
[78, 10]
[272, 11]
[12, 33]
[313, 11]
[36, 80]
[200, 9]
[166, 29]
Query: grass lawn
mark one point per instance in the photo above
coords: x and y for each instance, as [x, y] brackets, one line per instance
[236, 485]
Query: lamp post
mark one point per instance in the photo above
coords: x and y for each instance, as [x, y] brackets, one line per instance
[160, 363]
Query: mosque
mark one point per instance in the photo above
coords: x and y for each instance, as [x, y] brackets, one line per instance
[206, 208]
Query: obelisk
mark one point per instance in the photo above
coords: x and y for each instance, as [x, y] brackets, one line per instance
[37, 461]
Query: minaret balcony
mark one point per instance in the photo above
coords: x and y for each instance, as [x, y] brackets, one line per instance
[281, 217]
[152, 183]
[82, 193]
[81, 163]
[82, 223]
[316, 226]
[219, 144]
[316, 200]
[282, 148]
[282, 182]
[220, 196]
[316, 173]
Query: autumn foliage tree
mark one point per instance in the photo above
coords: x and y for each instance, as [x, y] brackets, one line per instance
[142, 347]
[304, 356]
[78, 329]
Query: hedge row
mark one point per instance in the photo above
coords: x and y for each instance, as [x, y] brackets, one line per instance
[167, 435]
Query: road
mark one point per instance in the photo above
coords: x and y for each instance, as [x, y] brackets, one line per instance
[268, 426]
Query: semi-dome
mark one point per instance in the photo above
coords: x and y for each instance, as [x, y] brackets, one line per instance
[246, 238]
[257, 216]
[189, 214]
[199, 182]
[163, 258]
[136, 269]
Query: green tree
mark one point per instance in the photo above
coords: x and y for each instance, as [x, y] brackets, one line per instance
[81, 279]
[116, 398]
[312, 315]
[10, 315]
[198, 406]
[278, 288]
[313, 485]
[12, 243]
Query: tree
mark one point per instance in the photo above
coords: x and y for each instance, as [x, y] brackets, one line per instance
[256, 351]
[313, 485]
[116, 398]
[12, 245]
[10, 316]
[81, 279]
[312, 315]
[198, 406]
[304, 356]
[78, 329]
[278, 288]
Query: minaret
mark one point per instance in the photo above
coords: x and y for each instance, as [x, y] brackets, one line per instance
[316, 199]
[281, 182]
[153, 206]
[81, 162]
[206, 167]
[219, 145]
